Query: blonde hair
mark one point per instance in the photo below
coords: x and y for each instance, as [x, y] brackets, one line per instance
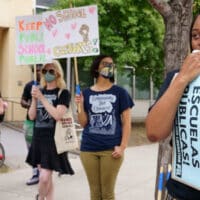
[60, 82]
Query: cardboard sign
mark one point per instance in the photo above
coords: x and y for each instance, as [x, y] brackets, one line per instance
[30, 47]
[186, 137]
[71, 32]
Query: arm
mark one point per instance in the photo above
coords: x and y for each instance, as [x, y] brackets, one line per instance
[32, 109]
[82, 115]
[26, 96]
[24, 103]
[1, 106]
[126, 127]
[55, 112]
[159, 121]
[126, 130]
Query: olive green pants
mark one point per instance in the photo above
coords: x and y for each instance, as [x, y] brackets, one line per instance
[101, 170]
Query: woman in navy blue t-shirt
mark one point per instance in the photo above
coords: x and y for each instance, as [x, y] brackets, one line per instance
[105, 114]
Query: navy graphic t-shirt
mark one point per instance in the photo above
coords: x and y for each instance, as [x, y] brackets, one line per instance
[104, 109]
[45, 123]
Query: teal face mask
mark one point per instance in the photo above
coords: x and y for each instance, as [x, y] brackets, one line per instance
[49, 77]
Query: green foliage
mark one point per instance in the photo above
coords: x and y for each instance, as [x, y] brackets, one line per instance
[131, 32]
[196, 7]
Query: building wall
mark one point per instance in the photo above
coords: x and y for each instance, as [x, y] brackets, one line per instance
[12, 77]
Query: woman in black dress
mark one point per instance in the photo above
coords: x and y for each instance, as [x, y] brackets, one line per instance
[46, 108]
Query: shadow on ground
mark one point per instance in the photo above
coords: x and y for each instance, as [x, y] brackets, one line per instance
[138, 135]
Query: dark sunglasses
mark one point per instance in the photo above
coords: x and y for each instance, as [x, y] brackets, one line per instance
[51, 71]
[107, 64]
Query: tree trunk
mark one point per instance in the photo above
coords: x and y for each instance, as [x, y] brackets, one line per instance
[177, 16]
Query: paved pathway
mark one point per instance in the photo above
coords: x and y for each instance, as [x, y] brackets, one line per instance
[136, 179]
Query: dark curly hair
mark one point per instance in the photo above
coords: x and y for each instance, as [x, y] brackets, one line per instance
[95, 66]
[191, 27]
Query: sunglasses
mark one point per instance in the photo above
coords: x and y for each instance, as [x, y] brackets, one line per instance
[107, 64]
[51, 71]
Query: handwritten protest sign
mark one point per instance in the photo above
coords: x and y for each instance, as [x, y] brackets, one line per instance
[186, 137]
[71, 32]
[30, 47]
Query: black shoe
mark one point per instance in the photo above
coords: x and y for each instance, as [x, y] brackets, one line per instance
[34, 180]
[37, 197]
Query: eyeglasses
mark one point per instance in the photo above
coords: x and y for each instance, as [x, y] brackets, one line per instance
[51, 71]
[107, 64]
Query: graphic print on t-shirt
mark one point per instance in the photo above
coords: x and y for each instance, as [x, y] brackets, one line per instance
[102, 114]
[43, 117]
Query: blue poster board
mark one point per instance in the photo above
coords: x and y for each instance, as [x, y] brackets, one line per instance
[186, 137]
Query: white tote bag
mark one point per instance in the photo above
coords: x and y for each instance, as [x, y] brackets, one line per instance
[65, 133]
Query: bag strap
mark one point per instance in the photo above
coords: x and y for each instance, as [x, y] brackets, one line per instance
[70, 107]
[59, 92]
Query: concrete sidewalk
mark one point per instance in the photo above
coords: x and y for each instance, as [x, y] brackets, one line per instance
[135, 181]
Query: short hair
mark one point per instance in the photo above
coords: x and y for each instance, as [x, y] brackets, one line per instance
[95, 66]
[38, 66]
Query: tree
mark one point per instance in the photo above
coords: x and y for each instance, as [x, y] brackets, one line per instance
[177, 16]
[132, 32]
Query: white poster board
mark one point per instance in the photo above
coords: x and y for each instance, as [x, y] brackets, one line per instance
[71, 32]
[186, 137]
[30, 47]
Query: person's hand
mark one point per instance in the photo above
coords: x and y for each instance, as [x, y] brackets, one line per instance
[36, 93]
[5, 105]
[79, 99]
[190, 68]
[118, 152]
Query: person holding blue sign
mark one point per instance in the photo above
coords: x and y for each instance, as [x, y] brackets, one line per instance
[105, 115]
[48, 106]
[28, 124]
[177, 111]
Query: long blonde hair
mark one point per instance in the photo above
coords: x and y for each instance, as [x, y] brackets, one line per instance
[60, 82]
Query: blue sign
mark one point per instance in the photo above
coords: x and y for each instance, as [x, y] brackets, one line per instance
[186, 137]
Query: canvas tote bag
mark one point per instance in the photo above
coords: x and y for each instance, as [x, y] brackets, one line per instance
[65, 133]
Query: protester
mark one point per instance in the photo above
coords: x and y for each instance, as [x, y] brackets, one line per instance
[46, 108]
[28, 124]
[104, 110]
[162, 119]
[3, 107]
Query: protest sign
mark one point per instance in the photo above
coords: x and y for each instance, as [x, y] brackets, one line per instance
[71, 32]
[30, 47]
[186, 137]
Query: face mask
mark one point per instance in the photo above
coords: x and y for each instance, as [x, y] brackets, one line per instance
[49, 77]
[107, 72]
